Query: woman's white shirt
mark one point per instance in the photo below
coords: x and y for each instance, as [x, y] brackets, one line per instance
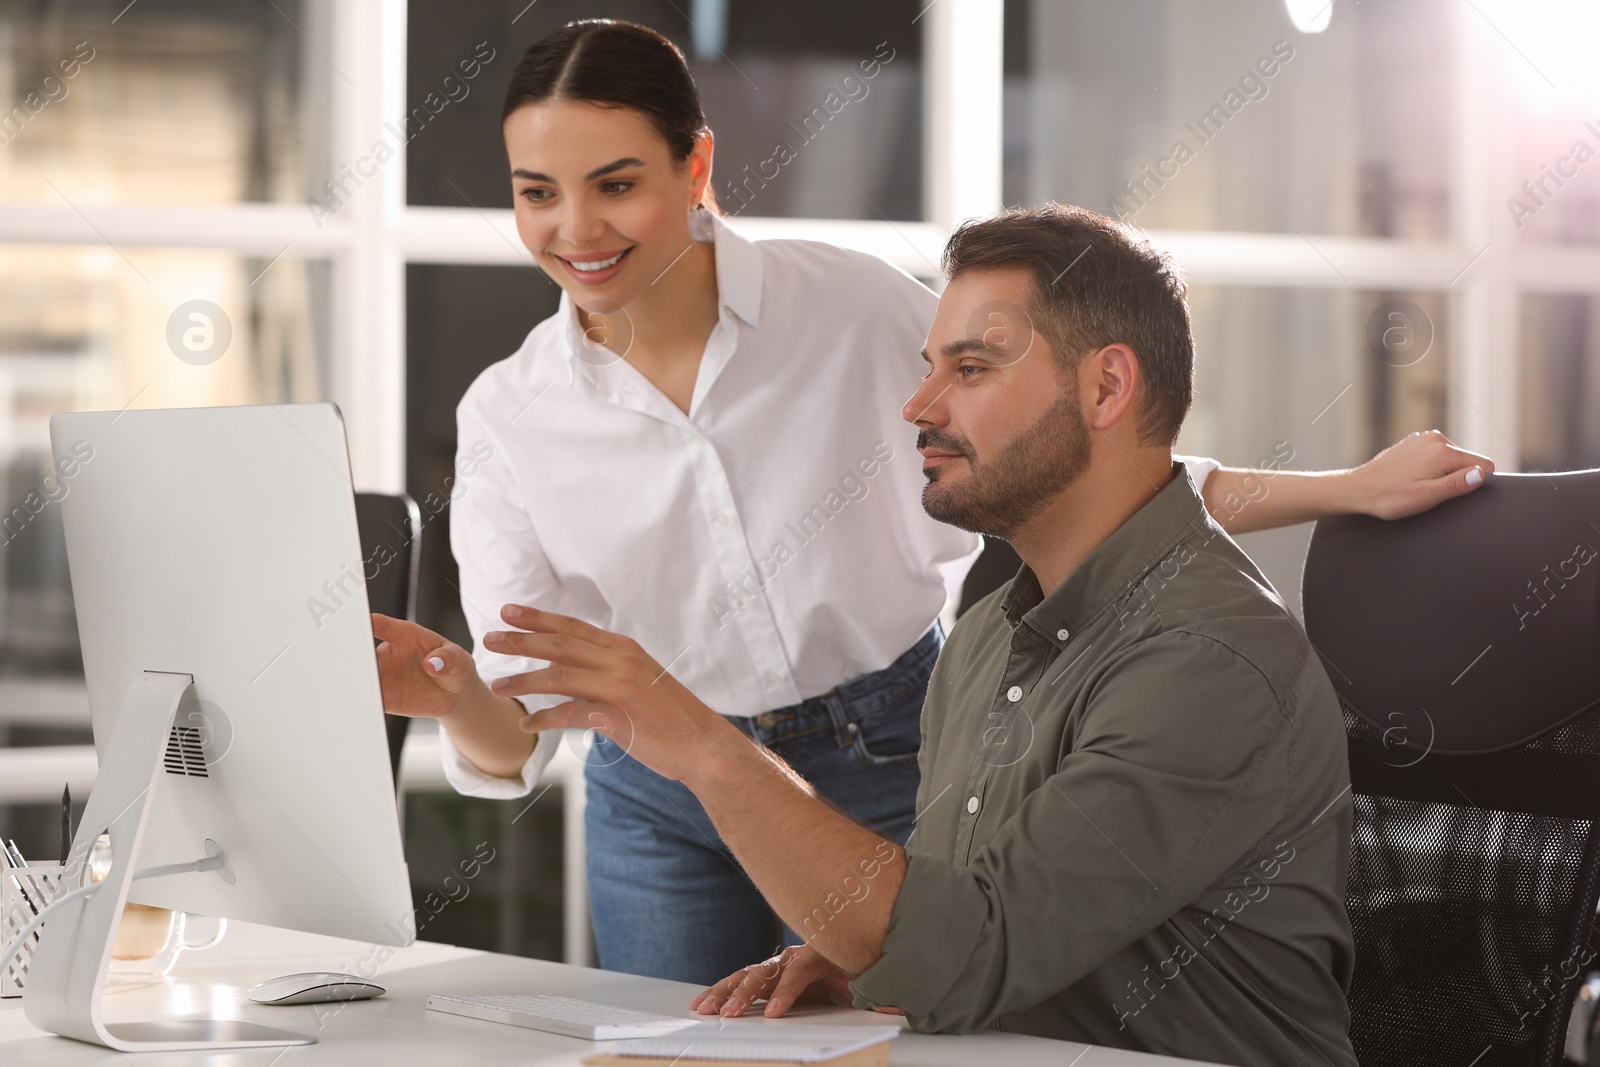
[767, 546]
[1200, 468]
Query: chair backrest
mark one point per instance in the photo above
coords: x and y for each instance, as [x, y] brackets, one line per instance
[1464, 644]
[391, 534]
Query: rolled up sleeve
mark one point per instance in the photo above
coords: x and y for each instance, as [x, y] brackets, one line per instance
[1175, 771]
[466, 778]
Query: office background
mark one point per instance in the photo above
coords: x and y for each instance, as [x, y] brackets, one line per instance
[1426, 159]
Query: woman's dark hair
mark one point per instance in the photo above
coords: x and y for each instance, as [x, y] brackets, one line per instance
[612, 63]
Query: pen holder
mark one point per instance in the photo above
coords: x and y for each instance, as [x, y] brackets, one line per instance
[21, 890]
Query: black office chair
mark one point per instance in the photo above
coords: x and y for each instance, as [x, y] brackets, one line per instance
[391, 534]
[1464, 644]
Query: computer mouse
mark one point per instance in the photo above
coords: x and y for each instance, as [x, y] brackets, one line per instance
[315, 987]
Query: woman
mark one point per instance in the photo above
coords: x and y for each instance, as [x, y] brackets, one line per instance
[703, 447]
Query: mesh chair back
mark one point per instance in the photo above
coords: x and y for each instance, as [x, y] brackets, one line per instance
[391, 529]
[1465, 647]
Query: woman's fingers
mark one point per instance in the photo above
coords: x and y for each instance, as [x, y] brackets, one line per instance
[386, 628]
[1459, 459]
[1445, 455]
[450, 666]
[1430, 492]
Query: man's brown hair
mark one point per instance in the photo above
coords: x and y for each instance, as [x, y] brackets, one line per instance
[1096, 282]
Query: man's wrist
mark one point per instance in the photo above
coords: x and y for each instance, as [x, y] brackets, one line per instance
[725, 755]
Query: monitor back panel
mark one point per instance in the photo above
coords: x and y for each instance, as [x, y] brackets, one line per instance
[222, 543]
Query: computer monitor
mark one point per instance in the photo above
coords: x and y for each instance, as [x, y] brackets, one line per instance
[217, 576]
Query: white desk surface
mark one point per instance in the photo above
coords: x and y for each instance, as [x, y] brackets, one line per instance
[395, 1030]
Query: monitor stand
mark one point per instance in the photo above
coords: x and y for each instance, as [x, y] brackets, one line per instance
[68, 972]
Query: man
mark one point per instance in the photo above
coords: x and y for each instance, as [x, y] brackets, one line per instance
[1134, 813]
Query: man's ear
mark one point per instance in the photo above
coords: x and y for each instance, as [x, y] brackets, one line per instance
[1109, 379]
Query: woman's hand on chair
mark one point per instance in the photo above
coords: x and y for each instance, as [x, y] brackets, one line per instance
[1416, 473]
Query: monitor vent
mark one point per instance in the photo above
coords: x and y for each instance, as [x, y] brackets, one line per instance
[184, 754]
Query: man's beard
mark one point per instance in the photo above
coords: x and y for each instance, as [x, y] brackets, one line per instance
[1000, 496]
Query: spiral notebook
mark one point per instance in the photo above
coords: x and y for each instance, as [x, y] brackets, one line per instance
[721, 1042]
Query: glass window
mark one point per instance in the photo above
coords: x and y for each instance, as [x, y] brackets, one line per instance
[160, 101]
[516, 897]
[493, 307]
[800, 130]
[1554, 196]
[1313, 379]
[1304, 379]
[1180, 114]
[1548, 110]
[85, 329]
[1560, 381]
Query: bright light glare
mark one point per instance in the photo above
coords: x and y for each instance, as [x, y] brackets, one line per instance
[1310, 16]
[1548, 48]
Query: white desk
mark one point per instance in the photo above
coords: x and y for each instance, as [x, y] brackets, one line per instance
[396, 1031]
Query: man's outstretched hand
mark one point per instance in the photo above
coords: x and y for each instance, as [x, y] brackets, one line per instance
[616, 688]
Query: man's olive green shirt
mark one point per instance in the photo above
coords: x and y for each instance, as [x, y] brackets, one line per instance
[1134, 813]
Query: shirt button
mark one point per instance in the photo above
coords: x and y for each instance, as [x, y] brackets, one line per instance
[1013, 694]
[972, 805]
[720, 518]
[773, 679]
[1062, 634]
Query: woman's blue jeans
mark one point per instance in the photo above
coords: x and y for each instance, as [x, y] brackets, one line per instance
[668, 897]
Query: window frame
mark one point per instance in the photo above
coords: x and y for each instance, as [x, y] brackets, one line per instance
[371, 242]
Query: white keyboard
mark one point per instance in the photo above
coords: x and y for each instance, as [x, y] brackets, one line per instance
[560, 1015]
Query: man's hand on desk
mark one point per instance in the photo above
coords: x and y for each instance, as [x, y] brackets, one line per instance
[618, 690]
[797, 975]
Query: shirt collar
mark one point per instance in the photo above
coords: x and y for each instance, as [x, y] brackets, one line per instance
[738, 284]
[1116, 564]
[738, 264]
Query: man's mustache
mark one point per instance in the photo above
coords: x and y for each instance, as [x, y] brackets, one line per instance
[943, 442]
